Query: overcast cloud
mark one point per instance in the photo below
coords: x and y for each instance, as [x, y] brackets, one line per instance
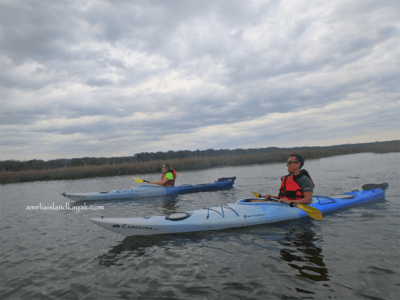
[115, 78]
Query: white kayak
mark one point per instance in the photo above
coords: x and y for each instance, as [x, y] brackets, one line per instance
[238, 214]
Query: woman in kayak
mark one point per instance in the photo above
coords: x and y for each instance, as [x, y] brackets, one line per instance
[168, 176]
[297, 186]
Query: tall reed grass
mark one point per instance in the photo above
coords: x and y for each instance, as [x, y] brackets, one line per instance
[137, 168]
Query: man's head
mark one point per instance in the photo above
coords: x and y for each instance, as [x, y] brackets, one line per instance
[294, 163]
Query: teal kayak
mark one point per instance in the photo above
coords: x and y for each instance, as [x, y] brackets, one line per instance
[241, 213]
[147, 190]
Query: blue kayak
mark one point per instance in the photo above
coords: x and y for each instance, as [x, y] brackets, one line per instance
[241, 213]
[147, 190]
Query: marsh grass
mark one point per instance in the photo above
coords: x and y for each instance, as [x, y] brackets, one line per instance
[136, 168]
[199, 163]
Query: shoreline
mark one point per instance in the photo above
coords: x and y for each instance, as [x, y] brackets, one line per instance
[154, 166]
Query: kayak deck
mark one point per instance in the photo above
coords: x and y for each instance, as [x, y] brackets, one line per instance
[238, 214]
[146, 191]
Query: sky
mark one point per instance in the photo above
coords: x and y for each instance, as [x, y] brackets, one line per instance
[102, 78]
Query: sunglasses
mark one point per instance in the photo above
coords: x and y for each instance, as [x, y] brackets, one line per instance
[289, 162]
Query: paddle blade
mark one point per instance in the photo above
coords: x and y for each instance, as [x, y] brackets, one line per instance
[138, 180]
[312, 212]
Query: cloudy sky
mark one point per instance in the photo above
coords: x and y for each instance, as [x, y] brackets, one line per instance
[114, 78]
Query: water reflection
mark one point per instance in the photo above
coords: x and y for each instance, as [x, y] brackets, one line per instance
[302, 254]
[169, 205]
[100, 202]
[168, 202]
[136, 245]
[139, 246]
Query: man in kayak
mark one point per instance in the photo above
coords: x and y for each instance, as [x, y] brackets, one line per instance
[297, 186]
[168, 176]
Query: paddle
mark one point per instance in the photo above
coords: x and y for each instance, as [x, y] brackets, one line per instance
[309, 210]
[138, 180]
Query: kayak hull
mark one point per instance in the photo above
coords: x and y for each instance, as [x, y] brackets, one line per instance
[241, 213]
[145, 191]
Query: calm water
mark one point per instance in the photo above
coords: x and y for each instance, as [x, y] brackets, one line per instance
[352, 254]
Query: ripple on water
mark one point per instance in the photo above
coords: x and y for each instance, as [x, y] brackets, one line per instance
[352, 254]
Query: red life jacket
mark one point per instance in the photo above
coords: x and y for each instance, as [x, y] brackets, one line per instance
[290, 189]
[170, 182]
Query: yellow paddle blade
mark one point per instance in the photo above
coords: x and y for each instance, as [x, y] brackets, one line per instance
[138, 180]
[310, 211]
[257, 195]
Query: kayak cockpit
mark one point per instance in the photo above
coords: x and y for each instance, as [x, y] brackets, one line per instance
[177, 216]
[249, 201]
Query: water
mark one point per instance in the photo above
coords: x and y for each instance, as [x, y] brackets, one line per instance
[60, 254]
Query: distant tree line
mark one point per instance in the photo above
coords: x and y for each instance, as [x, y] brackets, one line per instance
[307, 152]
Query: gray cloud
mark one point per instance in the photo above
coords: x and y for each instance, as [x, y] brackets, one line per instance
[106, 78]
